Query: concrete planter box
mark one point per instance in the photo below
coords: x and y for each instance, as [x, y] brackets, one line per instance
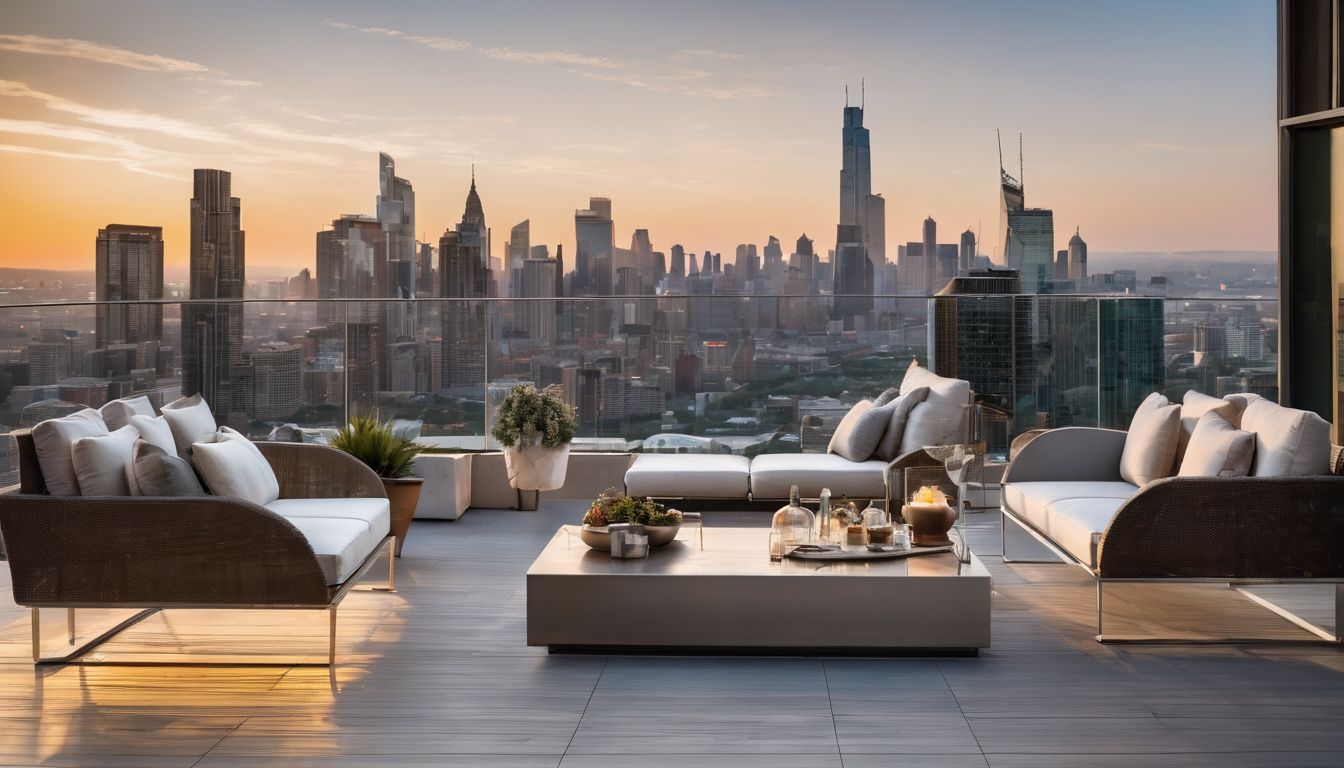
[446, 493]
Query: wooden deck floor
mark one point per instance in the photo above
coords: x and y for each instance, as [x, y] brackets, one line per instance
[438, 675]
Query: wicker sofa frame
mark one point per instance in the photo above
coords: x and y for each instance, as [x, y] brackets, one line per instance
[1242, 532]
[139, 553]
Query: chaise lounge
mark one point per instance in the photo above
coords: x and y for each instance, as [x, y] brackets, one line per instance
[1237, 490]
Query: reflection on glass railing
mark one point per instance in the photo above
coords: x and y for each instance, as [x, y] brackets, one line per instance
[677, 374]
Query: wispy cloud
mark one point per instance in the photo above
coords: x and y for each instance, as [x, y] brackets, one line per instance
[125, 152]
[269, 130]
[115, 118]
[71, 48]
[671, 75]
[566, 58]
[429, 41]
[706, 53]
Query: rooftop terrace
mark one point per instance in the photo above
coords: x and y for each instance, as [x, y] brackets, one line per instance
[439, 674]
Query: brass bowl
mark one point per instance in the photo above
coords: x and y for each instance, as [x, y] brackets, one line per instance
[600, 538]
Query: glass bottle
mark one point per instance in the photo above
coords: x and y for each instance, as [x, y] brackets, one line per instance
[794, 523]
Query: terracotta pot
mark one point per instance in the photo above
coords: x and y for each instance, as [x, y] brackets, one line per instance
[929, 523]
[535, 468]
[403, 494]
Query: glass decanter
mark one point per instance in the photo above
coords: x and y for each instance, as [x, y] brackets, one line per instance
[794, 523]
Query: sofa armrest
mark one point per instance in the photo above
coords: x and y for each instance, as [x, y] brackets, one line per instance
[156, 552]
[1228, 528]
[1069, 453]
[307, 471]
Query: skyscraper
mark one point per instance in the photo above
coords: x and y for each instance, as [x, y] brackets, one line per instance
[520, 243]
[855, 245]
[396, 216]
[463, 274]
[1077, 256]
[804, 259]
[678, 265]
[594, 237]
[966, 256]
[212, 334]
[129, 267]
[1027, 235]
[928, 263]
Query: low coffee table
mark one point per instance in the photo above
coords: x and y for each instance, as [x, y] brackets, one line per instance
[729, 597]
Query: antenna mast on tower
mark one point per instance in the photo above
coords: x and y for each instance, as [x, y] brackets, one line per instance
[999, 138]
[861, 93]
[846, 96]
[1020, 167]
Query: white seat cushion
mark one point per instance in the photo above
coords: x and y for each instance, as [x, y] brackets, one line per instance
[54, 440]
[1076, 525]
[342, 532]
[773, 473]
[689, 475]
[1288, 442]
[1031, 500]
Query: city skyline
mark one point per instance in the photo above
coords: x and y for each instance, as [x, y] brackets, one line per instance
[704, 141]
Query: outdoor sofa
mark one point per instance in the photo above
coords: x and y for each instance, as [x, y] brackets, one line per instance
[1262, 507]
[304, 549]
[871, 446]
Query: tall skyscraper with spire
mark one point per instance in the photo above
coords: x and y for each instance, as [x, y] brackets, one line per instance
[861, 213]
[1027, 235]
[1077, 256]
[464, 273]
[212, 334]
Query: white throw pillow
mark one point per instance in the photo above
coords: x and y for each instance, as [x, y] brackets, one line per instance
[841, 438]
[100, 462]
[956, 390]
[232, 466]
[117, 413]
[190, 419]
[1288, 442]
[54, 439]
[155, 430]
[1194, 406]
[1218, 449]
[1150, 444]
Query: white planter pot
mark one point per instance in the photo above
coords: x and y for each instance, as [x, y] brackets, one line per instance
[534, 468]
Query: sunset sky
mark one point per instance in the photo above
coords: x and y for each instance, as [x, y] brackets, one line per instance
[1148, 124]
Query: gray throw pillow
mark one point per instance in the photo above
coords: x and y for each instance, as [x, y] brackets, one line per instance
[864, 433]
[155, 472]
[889, 447]
[888, 394]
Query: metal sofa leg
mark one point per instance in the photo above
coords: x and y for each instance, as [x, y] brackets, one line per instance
[75, 653]
[331, 637]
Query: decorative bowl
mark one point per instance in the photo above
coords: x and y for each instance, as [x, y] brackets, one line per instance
[600, 538]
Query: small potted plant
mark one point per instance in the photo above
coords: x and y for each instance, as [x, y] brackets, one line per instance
[535, 426]
[612, 506]
[392, 457]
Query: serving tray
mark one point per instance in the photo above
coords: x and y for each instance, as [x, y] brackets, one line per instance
[811, 552]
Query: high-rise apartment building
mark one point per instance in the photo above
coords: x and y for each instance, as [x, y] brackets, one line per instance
[538, 282]
[928, 263]
[129, 267]
[678, 265]
[212, 334]
[396, 215]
